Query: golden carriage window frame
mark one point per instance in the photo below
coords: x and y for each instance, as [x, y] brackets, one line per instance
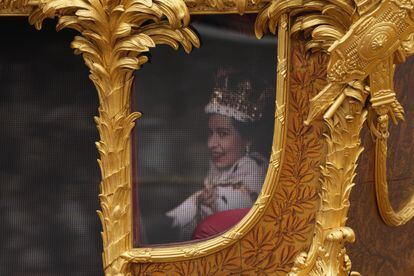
[345, 50]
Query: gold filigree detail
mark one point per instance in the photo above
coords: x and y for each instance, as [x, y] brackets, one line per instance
[379, 41]
[220, 6]
[374, 36]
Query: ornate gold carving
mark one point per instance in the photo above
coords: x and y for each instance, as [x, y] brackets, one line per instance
[376, 35]
[275, 158]
[112, 57]
[114, 36]
[355, 49]
[356, 43]
[327, 254]
[24, 7]
[192, 251]
[361, 37]
[280, 112]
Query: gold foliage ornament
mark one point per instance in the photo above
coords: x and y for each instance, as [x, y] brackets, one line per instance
[371, 39]
[372, 46]
[362, 39]
[327, 255]
[114, 34]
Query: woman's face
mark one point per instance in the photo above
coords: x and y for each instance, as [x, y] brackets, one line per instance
[225, 143]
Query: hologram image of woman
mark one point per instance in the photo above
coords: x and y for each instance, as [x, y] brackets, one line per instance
[236, 171]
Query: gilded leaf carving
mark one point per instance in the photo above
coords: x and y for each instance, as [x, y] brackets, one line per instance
[292, 209]
[287, 224]
[113, 37]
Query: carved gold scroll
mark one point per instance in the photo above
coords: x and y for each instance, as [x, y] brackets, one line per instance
[338, 72]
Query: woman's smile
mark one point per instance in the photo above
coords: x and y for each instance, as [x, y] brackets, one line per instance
[217, 156]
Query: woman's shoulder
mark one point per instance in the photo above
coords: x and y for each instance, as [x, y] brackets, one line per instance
[254, 159]
[253, 165]
[251, 170]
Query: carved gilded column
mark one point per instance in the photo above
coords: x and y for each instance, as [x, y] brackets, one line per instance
[327, 255]
[113, 37]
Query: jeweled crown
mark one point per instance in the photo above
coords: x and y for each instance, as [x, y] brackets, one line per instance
[234, 96]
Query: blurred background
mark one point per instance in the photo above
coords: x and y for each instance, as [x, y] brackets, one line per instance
[49, 176]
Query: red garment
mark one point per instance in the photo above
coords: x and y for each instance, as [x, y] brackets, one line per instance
[218, 222]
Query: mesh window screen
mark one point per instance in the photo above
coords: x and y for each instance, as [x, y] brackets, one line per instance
[190, 140]
[49, 176]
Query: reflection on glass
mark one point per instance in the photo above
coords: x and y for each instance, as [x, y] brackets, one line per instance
[202, 144]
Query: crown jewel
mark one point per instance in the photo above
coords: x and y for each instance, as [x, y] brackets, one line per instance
[233, 96]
